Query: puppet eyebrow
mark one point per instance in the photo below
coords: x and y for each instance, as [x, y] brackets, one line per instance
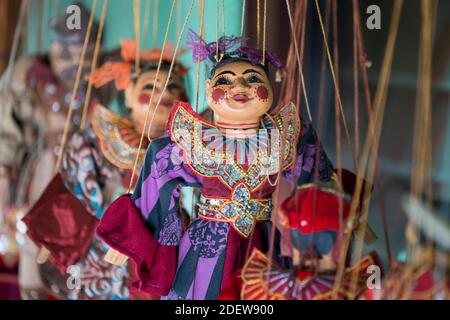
[251, 71]
[225, 72]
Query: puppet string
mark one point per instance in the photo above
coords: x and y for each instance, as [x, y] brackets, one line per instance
[355, 77]
[335, 66]
[371, 141]
[421, 162]
[217, 30]
[258, 23]
[75, 88]
[197, 91]
[94, 65]
[15, 45]
[244, 3]
[264, 33]
[137, 22]
[304, 10]
[338, 95]
[365, 79]
[299, 62]
[141, 141]
[172, 63]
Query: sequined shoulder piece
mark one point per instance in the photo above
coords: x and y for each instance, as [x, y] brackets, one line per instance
[288, 122]
[118, 139]
[207, 154]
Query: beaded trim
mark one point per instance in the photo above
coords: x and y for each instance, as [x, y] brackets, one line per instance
[241, 211]
[116, 150]
[187, 130]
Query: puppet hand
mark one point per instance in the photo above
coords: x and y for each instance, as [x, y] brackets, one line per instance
[43, 255]
[115, 257]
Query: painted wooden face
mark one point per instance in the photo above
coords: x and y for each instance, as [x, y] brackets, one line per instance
[65, 58]
[239, 92]
[138, 97]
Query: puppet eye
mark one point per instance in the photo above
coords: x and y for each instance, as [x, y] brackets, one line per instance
[148, 86]
[254, 79]
[172, 86]
[222, 81]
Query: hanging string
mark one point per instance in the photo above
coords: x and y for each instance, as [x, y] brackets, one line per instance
[146, 21]
[113, 256]
[6, 84]
[75, 88]
[244, 3]
[223, 18]
[258, 24]
[335, 67]
[264, 33]
[151, 97]
[365, 79]
[302, 25]
[165, 85]
[217, 31]
[155, 24]
[319, 128]
[137, 27]
[370, 146]
[338, 95]
[197, 82]
[94, 65]
[355, 77]
[421, 178]
[197, 91]
[299, 62]
[373, 140]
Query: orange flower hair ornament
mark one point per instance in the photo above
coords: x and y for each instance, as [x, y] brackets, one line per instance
[121, 71]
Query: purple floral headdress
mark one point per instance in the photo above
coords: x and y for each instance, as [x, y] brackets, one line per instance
[230, 46]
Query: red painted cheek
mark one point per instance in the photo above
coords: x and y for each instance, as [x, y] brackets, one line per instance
[218, 94]
[262, 92]
[144, 98]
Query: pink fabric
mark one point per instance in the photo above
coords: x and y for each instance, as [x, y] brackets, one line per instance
[124, 230]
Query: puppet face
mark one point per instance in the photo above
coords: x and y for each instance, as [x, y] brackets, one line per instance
[138, 95]
[239, 93]
[65, 58]
[319, 250]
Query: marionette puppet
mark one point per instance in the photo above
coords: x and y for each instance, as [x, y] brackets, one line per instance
[234, 160]
[425, 276]
[33, 116]
[96, 167]
[313, 218]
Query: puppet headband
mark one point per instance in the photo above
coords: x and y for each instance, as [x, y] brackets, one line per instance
[122, 71]
[230, 46]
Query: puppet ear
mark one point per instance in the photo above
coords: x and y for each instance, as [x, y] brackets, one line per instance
[208, 91]
[129, 95]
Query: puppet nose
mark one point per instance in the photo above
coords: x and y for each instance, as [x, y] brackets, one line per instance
[240, 82]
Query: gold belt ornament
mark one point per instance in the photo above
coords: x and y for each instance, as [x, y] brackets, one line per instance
[241, 211]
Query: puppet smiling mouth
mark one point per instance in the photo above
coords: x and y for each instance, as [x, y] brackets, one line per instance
[240, 98]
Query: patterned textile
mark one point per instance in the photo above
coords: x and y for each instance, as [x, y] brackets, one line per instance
[256, 282]
[118, 139]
